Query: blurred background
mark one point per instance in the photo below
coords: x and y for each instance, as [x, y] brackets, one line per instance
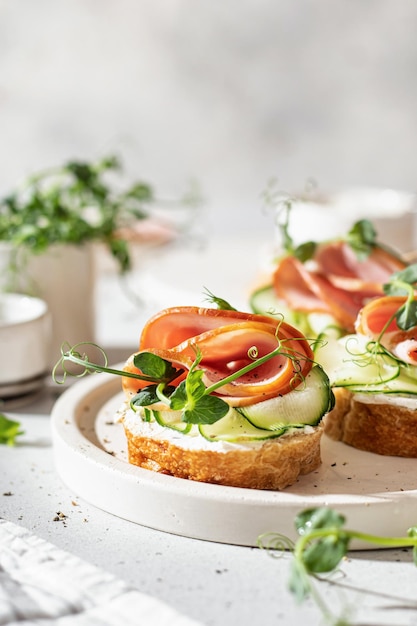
[313, 94]
[230, 94]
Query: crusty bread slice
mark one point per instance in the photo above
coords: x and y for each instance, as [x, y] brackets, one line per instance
[274, 465]
[385, 429]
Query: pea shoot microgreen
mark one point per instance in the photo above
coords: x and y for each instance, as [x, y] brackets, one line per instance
[362, 237]
[191, 395]
[283, 205]
[404, 283]
[193, 398]
[222, 304]
[322, 544]
[9, 430]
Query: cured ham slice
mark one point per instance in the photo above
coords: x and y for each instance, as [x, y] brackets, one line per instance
[377, 320]
[228, 341]
[377, 410]
[311, 291]
[295, 284]
[338, 260]
[335, 281]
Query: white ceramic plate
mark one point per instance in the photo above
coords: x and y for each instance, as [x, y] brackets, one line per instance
[376, 494]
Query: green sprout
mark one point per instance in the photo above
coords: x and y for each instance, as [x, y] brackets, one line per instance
[9, 430]
[323, 543]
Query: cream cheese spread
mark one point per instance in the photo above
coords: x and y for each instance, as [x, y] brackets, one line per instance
[406, 402]
[193, 440]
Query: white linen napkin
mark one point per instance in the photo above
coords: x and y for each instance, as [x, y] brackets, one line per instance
[41, 585]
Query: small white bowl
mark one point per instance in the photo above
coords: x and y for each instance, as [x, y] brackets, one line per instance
[25, 339]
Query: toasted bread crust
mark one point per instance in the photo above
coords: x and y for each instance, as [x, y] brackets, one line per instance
[380, 428]
[274, 465]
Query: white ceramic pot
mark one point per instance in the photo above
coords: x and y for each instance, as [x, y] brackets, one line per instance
[7, 281]
[25, 336]
[63, 276]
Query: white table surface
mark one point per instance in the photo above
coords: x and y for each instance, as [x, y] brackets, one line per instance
[215, 584]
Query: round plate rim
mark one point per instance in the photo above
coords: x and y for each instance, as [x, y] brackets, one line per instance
[72, 448]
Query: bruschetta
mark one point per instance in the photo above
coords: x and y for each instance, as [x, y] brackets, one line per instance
[373, 373]
[325, 284]
[224, 397]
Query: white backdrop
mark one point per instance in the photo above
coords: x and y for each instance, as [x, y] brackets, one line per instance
[230, 93]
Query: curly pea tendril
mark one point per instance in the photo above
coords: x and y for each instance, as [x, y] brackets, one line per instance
[73, 355]
[275, 544]
[191, 395]
[197, 402]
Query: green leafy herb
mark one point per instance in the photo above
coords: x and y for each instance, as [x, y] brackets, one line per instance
[148, 395]
[362, 238]
[401, 281]
[194, 399]
[154, 368]
[304, 251]
[77, 203]
[219, 302]
[407, 317]
[323, 543]
[9, 430]
[404, 283]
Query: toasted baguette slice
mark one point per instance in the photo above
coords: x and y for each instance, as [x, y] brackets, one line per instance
[274, 464]
[386, 429]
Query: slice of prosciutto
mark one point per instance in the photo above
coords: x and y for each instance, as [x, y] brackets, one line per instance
[338, 260]
[227, 341]
[335, 281]
[377, 320]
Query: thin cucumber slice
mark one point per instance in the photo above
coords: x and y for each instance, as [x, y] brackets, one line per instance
[351, 374]
[172, 419]
[324, 328]
[265, 302]
[348, 363]
[402, 385]
[305, 405]
[233, 427]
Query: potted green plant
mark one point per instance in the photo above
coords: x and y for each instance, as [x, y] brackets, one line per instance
[49, 228]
